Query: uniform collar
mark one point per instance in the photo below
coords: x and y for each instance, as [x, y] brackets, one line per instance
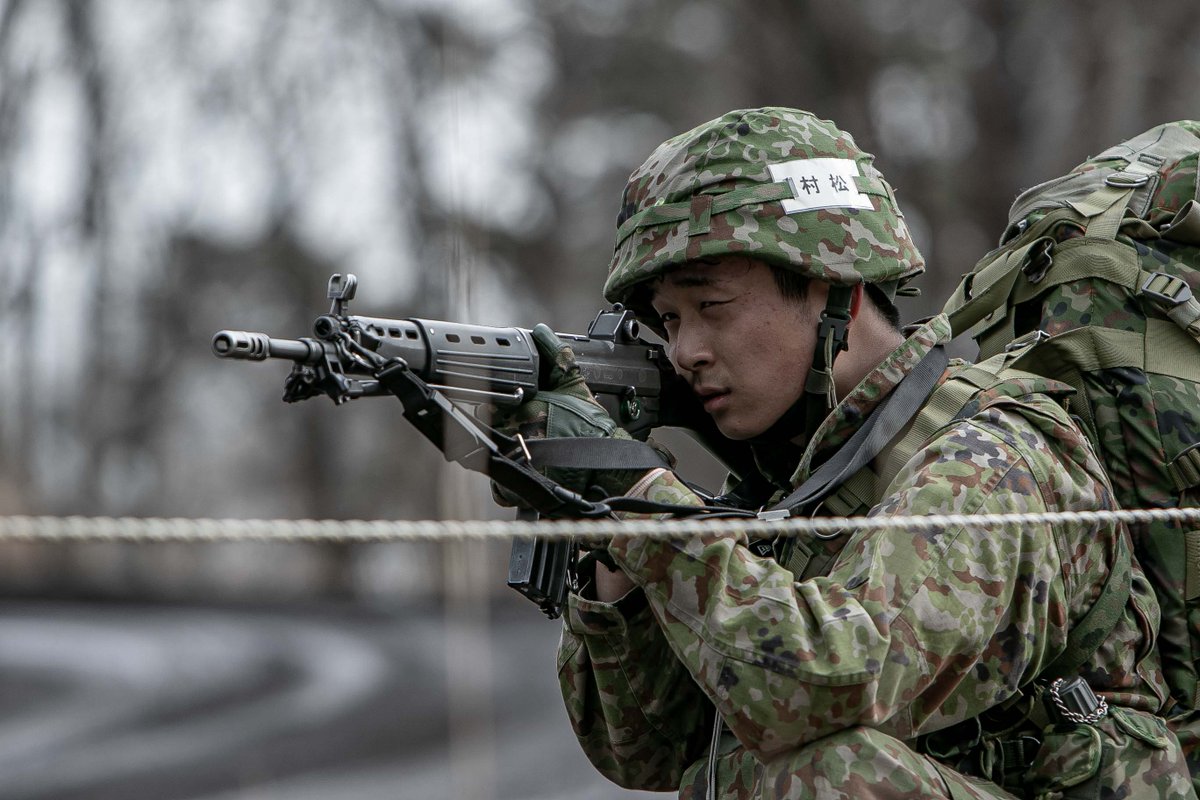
[850, 412]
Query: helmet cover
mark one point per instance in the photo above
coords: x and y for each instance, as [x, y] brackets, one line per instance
[775, 184]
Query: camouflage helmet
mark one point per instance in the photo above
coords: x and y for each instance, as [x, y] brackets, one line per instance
[777, 184]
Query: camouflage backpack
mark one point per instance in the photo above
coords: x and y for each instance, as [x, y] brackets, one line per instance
[1093, 285]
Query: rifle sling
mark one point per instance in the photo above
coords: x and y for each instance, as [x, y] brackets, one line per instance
[585, 453]
[460, 439]
[880, 427]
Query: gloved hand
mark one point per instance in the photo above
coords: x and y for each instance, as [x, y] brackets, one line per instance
[564, 407]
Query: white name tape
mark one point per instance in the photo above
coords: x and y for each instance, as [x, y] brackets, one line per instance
[820, 183]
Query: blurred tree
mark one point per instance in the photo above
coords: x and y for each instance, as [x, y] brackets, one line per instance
[170, 169]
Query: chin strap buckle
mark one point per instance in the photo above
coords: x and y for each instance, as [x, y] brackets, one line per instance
[834, 322]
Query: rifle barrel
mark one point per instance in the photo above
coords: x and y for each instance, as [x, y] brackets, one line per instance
[254, 346]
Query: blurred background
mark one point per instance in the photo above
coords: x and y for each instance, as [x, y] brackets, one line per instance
[168, 169]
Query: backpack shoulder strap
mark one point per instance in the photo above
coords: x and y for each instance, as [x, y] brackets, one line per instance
[865, 487]
[986, 290]
[945, 405]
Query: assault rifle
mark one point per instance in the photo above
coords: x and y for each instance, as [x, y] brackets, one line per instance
[433, 365]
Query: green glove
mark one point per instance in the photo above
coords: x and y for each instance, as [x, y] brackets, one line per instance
[564, 408]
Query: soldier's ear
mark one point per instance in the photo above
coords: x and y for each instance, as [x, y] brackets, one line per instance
[856, 299]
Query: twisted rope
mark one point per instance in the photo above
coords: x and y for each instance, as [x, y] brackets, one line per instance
[149, 530]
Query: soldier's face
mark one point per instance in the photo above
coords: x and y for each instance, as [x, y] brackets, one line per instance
[744, 347]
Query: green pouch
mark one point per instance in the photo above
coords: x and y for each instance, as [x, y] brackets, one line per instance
[1143, 727]
[1069, 756]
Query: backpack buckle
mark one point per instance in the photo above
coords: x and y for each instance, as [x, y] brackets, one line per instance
[1038, 260]
[1026, 340]
[1166, 290]
[1126, 180]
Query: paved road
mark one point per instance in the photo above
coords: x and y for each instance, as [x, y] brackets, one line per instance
[166, 703]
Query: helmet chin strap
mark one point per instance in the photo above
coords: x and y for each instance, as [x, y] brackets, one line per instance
[820, 396]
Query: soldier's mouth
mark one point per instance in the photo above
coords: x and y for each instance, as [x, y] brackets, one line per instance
[714, 400]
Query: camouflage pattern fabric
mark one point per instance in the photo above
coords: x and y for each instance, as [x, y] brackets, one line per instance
[825, 683]
[1144, 410]
[711, 191]
[864, 762]
[1143, 421]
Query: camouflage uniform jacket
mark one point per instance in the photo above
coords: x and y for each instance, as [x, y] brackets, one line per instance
[906, 633]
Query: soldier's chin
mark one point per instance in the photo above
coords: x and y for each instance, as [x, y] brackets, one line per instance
[738, 430]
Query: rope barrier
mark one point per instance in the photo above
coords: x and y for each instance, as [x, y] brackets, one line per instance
[150, 530]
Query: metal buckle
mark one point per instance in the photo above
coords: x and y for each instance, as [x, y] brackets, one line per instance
[524, 449]
[1038, 260]
[1026, 340]
[1176, 290]
[1126, 180]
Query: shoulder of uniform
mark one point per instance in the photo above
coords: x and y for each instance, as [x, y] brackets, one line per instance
[993, 382]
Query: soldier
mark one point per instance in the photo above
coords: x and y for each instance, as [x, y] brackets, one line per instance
[767, 249]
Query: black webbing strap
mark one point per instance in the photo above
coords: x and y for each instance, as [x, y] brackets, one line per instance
[584, 453]
[640, 505]
[539, 492]
[880, 427]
